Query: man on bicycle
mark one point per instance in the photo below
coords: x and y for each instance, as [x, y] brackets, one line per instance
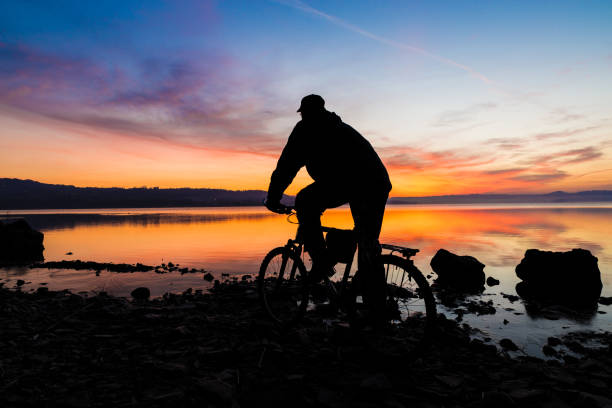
[345, 169]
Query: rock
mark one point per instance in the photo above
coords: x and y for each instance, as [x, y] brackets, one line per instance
[549, 351]
[19, 243]
[508, 344]
[575, 346]
[479, 307]
[195, 349]
[219, 392]
[571, 277]
[452, 381]
[459, 272]
[141, 293]
[511, 298]
[570, 359]
[523, 396]
[377, 382]
[497, 399]
[606, 301]
[20, 282]
[491, 281]
[483, 348]
[209, 277]
[97, 266]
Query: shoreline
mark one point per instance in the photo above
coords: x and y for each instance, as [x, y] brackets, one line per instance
[493, 314]
[219, 348]
[15, 212]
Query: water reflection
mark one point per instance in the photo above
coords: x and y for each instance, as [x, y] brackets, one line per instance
[538, 310]
[234, 241]
[48, 222]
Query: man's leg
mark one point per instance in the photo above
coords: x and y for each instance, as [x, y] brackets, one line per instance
[310, 203]
[368, 214]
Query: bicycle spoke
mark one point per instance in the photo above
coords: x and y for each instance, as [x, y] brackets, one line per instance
[281, 285]
[405, 294]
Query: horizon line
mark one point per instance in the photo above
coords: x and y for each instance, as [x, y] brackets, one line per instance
[238, 190]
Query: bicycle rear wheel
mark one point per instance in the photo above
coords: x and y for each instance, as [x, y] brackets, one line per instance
[282, 286]
[408, 292]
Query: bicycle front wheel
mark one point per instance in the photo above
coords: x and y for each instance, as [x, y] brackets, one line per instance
[282, 286]
[408, 292]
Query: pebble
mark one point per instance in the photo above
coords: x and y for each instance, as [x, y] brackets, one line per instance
[203, 349]
[491, 281]
[508, 344]
[141, 293]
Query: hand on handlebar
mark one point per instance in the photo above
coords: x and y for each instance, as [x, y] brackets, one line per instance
[277, 207]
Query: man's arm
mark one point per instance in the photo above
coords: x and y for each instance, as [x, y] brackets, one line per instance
[289, 163]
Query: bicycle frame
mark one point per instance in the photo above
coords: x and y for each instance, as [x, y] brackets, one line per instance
[297, 246]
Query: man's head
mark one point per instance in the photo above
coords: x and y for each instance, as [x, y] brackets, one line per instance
[311, 105]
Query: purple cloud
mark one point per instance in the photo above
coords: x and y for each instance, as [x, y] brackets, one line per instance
[564, 133]
[410, 158]
[199, 102]
[567, 157]
[505, 171]
[563, 115]
[541, 177]
[507, 143]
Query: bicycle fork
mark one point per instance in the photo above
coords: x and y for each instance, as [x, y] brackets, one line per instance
[291, 248]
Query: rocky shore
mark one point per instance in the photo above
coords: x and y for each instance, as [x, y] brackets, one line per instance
[219, 350]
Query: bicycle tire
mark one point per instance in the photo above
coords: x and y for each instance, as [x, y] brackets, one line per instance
[283, 297]
[408, 290]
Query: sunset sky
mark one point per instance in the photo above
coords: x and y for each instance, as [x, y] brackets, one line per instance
[457, 97]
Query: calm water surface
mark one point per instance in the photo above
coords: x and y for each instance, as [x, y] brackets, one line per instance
[234, 240]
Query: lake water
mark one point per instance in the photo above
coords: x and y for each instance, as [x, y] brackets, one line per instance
[234, 240]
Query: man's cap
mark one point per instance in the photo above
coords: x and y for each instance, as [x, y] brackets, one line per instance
[311, 102]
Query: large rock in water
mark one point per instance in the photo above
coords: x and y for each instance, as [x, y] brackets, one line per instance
[458, 272]
[571, 277]
[19, 243]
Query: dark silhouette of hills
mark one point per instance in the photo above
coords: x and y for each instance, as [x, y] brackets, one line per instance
[29, 194]
[554, 197]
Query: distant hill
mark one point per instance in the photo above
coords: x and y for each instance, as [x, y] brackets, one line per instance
[554, 197]
[27, 194]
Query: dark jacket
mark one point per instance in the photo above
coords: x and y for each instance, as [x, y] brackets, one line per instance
[335, 154]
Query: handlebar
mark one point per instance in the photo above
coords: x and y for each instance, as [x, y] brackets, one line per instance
[280, 208]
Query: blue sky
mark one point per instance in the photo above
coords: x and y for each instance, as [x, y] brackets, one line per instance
[457, 97]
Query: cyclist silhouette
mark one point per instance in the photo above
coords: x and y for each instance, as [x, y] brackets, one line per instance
[345, 169]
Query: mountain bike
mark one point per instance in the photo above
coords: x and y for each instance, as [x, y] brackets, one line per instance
[287, 293]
